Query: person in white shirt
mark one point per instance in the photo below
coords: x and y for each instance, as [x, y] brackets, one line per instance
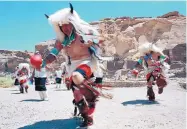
[16, 83]
[58, 79]
[65, 78]
[40, 77]
[40, 83]
[98, 74]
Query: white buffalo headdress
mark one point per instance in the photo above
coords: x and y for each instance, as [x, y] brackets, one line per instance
[26, 66]
[69, 15]
[147, 47]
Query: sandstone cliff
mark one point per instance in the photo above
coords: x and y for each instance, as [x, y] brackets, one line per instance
[10, 59]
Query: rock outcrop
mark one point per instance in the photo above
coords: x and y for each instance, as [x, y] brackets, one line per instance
[170, 14]
[10, 59]
[44, 48]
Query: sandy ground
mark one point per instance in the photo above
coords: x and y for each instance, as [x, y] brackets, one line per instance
[129, 109]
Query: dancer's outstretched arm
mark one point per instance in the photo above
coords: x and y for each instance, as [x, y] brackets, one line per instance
[53, 53]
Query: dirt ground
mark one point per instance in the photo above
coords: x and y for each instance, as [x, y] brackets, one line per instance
[129, 109]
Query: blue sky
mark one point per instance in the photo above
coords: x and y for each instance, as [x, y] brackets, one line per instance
[23, 25]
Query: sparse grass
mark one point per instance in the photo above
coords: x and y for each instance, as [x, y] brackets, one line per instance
[6, 82]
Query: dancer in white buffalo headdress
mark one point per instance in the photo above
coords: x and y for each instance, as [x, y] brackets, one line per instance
[23, 74]
[155, 63]
[79, 42]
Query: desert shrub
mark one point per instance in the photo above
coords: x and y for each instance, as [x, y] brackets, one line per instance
[6, 82]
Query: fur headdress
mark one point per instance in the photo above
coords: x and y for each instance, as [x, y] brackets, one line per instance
[148, 47]
[69, 15]
[24, 66]
[63, 65]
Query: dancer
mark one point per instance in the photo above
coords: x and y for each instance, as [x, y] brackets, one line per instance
[155, 64]
[79, 41]
[23, 76]
[58, 79]
[39, 74]
[16, 82]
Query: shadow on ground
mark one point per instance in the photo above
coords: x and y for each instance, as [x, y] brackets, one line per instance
[53, 124]
[16, 93]
[140, 102]
[31, 100]
[14, 90]
[60, 90]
